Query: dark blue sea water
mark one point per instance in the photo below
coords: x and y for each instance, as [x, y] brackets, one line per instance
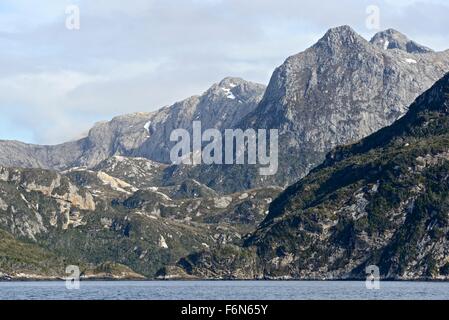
[223, 290]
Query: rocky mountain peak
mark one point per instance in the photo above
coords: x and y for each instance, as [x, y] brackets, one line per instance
[234, 89]
[393, 39]
[338, 91]
[341, 36]
[231, 82]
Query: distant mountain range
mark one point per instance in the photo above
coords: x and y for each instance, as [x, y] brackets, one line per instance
[114, 204]
[338, 91]
[141, 134]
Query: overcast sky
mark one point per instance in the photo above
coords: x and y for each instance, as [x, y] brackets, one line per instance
[139, 55]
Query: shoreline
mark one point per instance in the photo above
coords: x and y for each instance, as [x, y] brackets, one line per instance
[215, 280]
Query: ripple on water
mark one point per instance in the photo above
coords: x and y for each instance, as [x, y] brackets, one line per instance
[222, 290]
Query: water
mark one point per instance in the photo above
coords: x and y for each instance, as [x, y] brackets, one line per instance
[223, 290]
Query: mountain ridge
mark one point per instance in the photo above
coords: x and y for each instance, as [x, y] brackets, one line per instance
[339, 90]
[113, 202]
[383, 202]
[129, 135]
[393, 39]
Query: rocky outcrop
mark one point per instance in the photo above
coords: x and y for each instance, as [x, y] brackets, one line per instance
[382, 201]
[33, 200]
[220, 107]
[141, 134]
[140, 172]
[244, 211]
[109, 227]
[110, 271]
[338, 91]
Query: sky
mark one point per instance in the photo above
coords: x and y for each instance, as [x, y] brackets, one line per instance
[140, 55]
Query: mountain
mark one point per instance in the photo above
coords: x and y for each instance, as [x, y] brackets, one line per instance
[393, 39]
[108, 221]
[141, 134]
[338, 91]
[382, 201]
[220, 107]
[139, 172]
[114, 205]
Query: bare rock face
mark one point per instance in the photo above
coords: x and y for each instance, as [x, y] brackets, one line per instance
[220, 107]
[392, 39]
[381, 201]
[141, 134]
[338, 91]
[33, 200]
[122, 134]
[88, 214]
[139, 172]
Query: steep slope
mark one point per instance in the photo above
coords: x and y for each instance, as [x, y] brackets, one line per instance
[393, 39]
[242, 211]
[141, 134]
[72, 218]
[382, 201]
[338, 91]
[109, 227]
[220, 107]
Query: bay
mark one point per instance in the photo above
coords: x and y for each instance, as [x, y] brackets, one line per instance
[223, 290]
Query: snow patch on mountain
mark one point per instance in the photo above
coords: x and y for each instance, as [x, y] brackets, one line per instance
[163, 243]
[147, 126]
[229, 93]
[411, 61]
